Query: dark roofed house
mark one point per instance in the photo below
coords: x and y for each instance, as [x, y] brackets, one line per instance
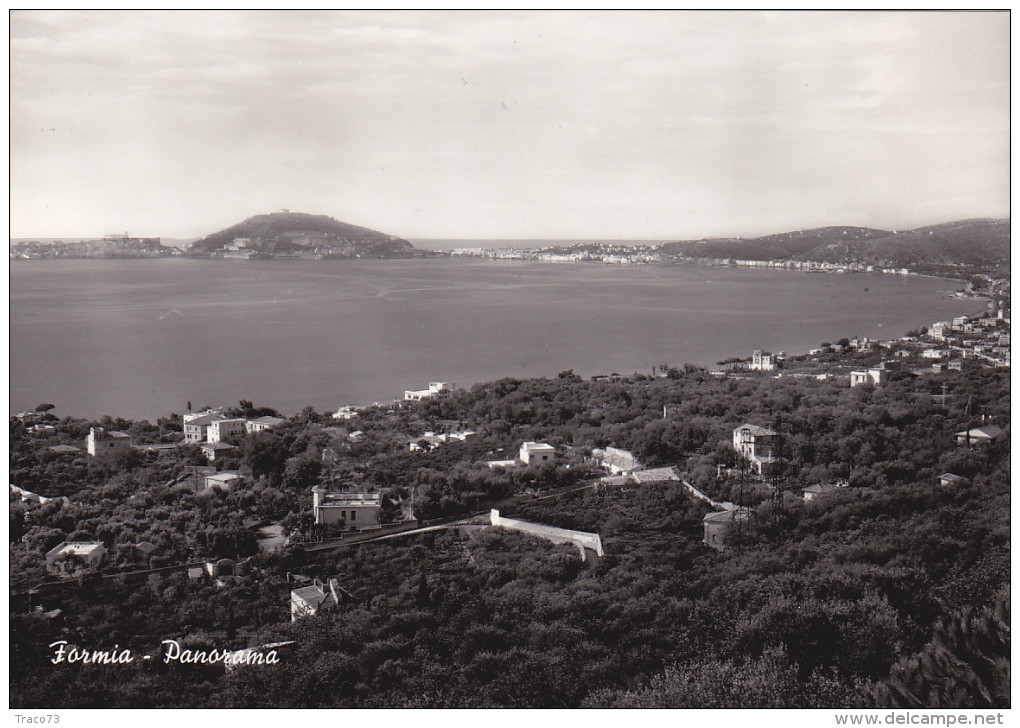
[819, 490]
[212, 450]
[717, 524]
[318, 597]
[985, 433]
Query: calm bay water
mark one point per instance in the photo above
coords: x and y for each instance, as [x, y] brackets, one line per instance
[139, 338]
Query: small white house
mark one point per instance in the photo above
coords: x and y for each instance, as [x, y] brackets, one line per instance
[875, 376]
[537, 453]
[224, 481]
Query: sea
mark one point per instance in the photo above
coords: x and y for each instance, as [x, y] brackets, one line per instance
[142, 338]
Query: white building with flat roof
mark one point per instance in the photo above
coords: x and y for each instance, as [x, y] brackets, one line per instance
[71, 558]
[414, 395]
[876, 376]
[536, 453]
[348, 510]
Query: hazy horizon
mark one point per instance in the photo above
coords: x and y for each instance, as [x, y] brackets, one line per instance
[507, 124]
[451, 242]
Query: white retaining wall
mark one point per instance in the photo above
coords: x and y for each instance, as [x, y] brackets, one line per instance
[550, 533]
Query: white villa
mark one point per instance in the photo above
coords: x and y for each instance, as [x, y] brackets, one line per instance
[414, 395]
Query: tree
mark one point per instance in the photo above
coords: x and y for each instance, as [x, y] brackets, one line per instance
[45, 407]
[966, 665]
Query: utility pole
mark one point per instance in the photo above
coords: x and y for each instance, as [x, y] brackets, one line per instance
[942, 397]
[776, 472]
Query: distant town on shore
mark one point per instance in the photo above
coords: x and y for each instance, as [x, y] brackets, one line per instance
[967, 246]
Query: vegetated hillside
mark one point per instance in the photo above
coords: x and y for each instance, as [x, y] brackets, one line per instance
[292, 232]
[965, 242]
[892, 592]
[983, 243]
[780, 246]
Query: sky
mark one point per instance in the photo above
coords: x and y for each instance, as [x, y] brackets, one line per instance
[530, 124]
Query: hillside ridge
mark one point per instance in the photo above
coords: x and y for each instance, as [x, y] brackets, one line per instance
[301, 234]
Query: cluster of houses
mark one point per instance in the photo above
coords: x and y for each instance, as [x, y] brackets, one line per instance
[982, 338]
[756, 445]
[210, 429]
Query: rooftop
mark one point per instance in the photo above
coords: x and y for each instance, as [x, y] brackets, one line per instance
[655, 475]
[821, 488]
[207, 419]
[348, 500]
[267, 420]
[756, 430]
[985, 431]
[217, 446]
[78, 548]
[312, 595]
[101, 434]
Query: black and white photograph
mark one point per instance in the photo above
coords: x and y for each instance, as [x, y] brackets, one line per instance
[510, 359]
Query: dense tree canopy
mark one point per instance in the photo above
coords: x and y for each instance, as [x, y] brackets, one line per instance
[876, 595]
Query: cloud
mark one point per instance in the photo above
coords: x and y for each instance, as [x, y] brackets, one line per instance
[618, 113]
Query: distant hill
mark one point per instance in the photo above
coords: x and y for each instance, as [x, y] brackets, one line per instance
[976, 243]
[298, 233]
[965, 242]
[780, 246]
